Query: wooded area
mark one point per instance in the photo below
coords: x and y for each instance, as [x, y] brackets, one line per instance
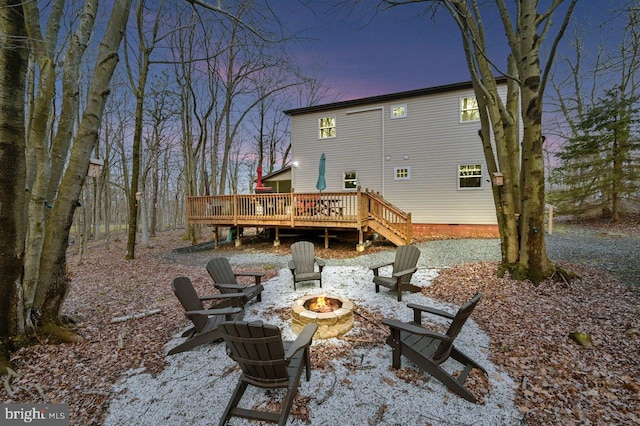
[183, 99]
[183, 104]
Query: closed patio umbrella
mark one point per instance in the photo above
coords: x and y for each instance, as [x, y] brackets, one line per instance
[321, 184]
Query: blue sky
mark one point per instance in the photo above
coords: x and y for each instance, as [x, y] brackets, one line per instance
[364, 55]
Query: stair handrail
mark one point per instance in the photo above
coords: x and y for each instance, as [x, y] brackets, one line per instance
[391, 217]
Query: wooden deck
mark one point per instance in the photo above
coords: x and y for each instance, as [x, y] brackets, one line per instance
[327, 210]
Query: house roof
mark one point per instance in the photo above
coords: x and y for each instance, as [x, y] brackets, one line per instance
[387, 97]
[276, 173]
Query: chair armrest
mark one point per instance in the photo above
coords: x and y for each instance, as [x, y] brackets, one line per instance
[256, 275]
[320, 262]
[303, 340]
[414, 329]
[380, 265]
[291, 265]
[401, 274]
[249, 274]
[229, 287]
[223, 311]
[430, 310]
[221, 296]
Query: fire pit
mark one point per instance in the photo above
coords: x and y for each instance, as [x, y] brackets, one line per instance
[333, 314]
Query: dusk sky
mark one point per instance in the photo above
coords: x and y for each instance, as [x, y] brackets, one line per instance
[364, 55]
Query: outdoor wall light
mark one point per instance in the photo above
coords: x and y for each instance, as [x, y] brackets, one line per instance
[388, 157]
[296, 164]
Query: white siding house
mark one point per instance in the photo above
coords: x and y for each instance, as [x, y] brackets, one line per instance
[420, 149]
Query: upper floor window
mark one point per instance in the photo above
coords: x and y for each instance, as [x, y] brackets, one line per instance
[350, 180]
[469, 109]
[399, 111]
[327, 127]
[402, 173]
[469, 176]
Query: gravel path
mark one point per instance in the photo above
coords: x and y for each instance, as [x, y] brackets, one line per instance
[612, 251]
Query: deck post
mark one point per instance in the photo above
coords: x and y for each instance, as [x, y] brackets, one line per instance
[276, 242]
[326, 238]
[361, 245]
[292, 208]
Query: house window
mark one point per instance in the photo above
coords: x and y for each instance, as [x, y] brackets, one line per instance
[399, 111]
[350, 180]
[327, 127]
[469, 109]
[469, 176]
[402, 173]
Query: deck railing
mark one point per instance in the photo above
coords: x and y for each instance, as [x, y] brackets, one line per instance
[319, 209]
[389, 216]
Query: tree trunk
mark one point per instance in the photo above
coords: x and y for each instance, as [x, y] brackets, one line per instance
[14, 57]
[54, 284]
[533, 262]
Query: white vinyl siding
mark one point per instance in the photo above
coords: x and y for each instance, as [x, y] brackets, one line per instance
[356, 147]
[430, 140]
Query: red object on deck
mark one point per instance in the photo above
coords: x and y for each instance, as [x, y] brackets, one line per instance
[259, 179]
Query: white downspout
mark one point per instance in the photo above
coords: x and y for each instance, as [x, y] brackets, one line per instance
[381, 108]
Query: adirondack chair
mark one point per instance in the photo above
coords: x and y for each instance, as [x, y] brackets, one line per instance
[302, 264]
[225, 280]
[205, 321]
[404, 265]
[429, 349]
[267, 362]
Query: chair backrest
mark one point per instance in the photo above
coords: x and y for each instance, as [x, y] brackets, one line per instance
[458, 321]
[259, 351]
[406, 258]
[220, 270]
[186, 294]
[303, 254]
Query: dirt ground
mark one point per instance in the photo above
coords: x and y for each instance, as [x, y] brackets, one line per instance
[559, 381]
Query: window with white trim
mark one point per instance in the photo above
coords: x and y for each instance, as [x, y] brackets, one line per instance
[350, 180]
[399, 111]
[470, 176]
[402, 173]
[327, 127]
[469, 109]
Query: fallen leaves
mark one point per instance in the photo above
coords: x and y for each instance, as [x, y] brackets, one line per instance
[558, 381]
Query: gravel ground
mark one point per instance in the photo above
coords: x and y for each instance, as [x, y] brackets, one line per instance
[612, 251]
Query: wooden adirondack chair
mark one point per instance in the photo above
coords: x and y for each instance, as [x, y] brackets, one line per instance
[205, 321]
[404, 266]
[302, 264]
[225, 280]
[267, 362]
[428, 349]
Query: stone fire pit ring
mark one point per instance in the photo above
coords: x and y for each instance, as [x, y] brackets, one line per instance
[330, 324]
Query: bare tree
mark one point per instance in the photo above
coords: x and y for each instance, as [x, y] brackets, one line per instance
[144, 51]
[520, 202]
[41, 292]
[13, 68]
[595, 102]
